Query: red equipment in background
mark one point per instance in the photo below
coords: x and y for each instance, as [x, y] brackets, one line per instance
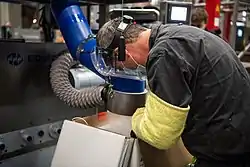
[213, 10]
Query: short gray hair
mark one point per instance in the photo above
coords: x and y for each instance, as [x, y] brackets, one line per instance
[107, 32]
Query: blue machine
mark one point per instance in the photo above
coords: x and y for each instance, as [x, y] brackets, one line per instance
[82, 46]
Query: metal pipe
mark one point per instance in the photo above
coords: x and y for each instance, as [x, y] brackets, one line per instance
[234, 27]
[242, 53]
[82, 77]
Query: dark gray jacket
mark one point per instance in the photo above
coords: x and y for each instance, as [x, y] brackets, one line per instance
[189, 66]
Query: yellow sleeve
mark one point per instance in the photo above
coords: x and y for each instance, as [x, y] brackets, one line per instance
[159, 123]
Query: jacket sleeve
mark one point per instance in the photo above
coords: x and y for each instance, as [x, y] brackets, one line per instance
[169, 78]
[161, 122]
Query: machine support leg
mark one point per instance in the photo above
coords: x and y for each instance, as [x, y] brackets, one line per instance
[227, 25]
[234, 26]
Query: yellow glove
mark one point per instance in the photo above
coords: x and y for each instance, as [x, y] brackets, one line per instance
[159, 123]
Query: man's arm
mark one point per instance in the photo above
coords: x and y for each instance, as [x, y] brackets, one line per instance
[161, 122]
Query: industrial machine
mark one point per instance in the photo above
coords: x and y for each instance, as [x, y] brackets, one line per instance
[82, 47]
[30, 114]
[43, 84]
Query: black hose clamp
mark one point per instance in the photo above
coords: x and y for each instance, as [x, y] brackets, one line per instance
[107, 92]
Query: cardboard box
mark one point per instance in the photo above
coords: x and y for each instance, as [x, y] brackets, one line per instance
[107, 143]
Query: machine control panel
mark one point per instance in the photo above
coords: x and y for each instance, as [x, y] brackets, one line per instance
[175, 12]
[30, 137]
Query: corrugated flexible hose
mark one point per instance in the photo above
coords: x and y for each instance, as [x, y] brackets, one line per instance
[60, 83]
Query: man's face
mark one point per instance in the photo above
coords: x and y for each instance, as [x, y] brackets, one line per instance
[130, 60]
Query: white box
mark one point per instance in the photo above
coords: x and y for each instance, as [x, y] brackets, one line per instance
[85, 146]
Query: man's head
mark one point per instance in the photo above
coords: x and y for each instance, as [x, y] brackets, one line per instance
[136, 38]
[199, 18]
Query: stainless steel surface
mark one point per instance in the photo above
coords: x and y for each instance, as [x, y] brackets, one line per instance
[126, 104]
[85, 78]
